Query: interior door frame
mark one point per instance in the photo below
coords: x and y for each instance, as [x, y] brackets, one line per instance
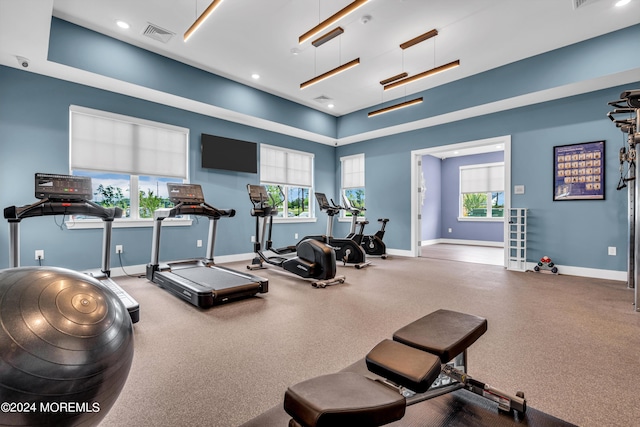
[416, 159]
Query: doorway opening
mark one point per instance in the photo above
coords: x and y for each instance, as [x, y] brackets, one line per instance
[418, 192]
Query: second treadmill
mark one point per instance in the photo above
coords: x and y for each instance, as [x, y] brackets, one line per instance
[198, 281]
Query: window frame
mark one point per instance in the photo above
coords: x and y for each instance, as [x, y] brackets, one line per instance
[134, 206]
[489, 193]
[344, 215]
[286, 184]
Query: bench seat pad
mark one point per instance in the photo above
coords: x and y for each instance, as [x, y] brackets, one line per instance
[343, 399]
[404, 365]
[444, 333]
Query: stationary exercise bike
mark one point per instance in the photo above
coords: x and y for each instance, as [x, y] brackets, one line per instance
[372, 244]
[347, 250]
[309, 259]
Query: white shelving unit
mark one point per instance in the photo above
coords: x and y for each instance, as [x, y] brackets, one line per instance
[517, 239]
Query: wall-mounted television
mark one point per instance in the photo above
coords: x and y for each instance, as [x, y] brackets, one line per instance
[228, 154]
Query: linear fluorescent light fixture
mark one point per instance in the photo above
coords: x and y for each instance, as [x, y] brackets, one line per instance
[343, 67]
[422, 75]
[414, 41]
[356, 4]
[393, 79]
[395, 107]
[327, 37]
[208, 11]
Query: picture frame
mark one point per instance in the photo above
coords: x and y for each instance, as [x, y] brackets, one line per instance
[578, 171]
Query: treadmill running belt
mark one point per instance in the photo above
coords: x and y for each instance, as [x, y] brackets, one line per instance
[212, 277]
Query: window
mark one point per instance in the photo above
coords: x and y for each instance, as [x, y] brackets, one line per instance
[122, 153]
[353, 181]
[288, 177]
[482, 191]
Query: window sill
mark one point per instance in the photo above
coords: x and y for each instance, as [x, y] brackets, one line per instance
[293, 219]
[83, 224]
[480, 219]
[350, 219]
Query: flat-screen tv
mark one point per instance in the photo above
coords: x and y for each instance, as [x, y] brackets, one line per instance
[229, 154]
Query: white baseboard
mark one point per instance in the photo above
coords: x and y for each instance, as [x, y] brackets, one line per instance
[399, 252]
[463, 242]
[594, 273]
[136, 270]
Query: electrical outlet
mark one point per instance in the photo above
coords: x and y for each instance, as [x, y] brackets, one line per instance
[612, 250]
[199, 243]
[119, 249]
[295, 236]
[450, 230]
[39, 254]
[253, 239]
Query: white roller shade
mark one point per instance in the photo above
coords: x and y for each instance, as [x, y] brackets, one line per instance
[482, 178]
[103, 141]
[353, 171]
[285, 167]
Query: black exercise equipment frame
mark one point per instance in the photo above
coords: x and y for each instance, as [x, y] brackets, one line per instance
[190, 201]
[53, 204]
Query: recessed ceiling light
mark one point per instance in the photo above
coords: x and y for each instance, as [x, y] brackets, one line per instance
[295, 51]
[622, 2]
[330, 105]
[456, 152]
[498, 146]
[255, 76]
[122, 24]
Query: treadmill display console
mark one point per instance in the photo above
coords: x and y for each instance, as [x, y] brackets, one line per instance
[185, 193]
[63, 187]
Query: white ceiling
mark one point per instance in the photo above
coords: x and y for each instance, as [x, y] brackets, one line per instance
[243, 37]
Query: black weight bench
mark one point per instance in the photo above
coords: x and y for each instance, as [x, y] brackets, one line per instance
[425, 359]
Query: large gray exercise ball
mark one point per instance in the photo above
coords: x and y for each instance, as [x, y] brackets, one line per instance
[66, 347]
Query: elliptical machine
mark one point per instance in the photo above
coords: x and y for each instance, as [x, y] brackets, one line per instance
[372, 244]
[313, 259]
[347, 250]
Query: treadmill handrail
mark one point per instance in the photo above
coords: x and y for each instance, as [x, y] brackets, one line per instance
[201, 209]
[46, 207]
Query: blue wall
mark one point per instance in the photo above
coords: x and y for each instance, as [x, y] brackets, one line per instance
[34, 137]
[81, 48]
[573, 233]
[465, 230]
[605, 55]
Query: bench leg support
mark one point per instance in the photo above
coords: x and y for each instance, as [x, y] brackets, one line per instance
[505, 401]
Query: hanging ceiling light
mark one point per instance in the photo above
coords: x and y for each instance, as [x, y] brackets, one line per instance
[338, 70]
[395, 107]
[393, 79]
[422, 37]
[327, 37]
[208, 11]
[331, 20]
[422, 75]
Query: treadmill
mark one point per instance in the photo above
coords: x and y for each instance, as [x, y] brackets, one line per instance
[70, 195]
[198, 281]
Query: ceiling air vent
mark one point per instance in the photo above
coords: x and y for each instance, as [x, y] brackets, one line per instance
[322, 99]
[577, 4]
[157, 33]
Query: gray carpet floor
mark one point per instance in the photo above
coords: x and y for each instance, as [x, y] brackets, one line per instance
[571, 344]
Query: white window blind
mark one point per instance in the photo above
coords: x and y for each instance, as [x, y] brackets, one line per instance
[352, 171]
[286, 167]
[482, 178]
[102, 141]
